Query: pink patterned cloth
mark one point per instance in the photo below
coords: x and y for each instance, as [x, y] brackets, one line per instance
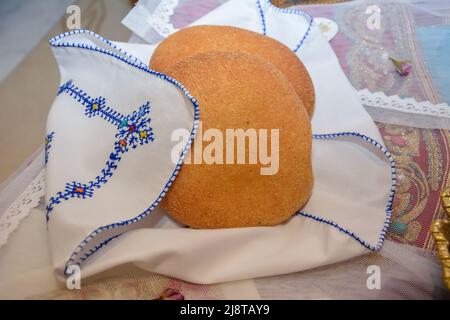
[422, 155]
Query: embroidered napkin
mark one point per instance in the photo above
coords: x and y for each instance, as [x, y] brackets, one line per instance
[347, 215]
[109, 149]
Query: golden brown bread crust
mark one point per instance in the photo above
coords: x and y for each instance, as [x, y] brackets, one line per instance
[237, 195]
[193, 40]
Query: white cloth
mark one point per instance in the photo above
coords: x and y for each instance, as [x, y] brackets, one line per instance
[110, 153]
[347, 215]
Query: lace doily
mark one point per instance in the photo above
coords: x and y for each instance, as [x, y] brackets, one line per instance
[409, 105]
[20, 208]
[405, 111]
[160, 18]
[151, 20]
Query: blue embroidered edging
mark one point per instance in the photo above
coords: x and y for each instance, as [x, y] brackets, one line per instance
[263, 18]
[133, 130]
[386, 152]
[141, 66]
[125, 56]
[343, 134]
[93, 106]
[309, 18]
[319, 219]
[48, 145]
[98, 247]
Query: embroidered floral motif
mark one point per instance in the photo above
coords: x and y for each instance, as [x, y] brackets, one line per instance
[48, 145]
[132, 130]
[79, 190]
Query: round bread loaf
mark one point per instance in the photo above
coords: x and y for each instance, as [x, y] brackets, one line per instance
[193, 40]
[239, 91]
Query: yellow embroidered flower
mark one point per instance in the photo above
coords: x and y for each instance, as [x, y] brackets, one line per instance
[143, 134]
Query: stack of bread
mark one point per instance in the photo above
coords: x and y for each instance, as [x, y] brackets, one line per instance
[242, 80]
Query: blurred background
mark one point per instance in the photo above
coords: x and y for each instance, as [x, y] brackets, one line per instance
[28, 73]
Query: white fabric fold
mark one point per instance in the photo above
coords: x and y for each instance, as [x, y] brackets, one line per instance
[109, 162]
[347, 215]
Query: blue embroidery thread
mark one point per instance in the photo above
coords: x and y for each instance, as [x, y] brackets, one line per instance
[48, 145]
[79, 190]
[263, 18]
[132, 130]
[377, 247]
[387, 220]
[308, 17]
[136, 63]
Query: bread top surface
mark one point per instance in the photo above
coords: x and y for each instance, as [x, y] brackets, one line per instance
[239, 91]
[193, 40]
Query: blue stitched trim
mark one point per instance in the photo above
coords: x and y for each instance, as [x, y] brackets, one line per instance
[133, 130]
[386, 152]
[316, 218]
[48, 145]
[302, 40]
[261, 15]
[121, 55]
[91, 252]
[79, 190]
[94, 106]
[308, 17]
[132, 61]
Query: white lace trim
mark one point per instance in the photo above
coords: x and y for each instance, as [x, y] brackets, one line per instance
[408, 105]
[160, 18]
[20, 208]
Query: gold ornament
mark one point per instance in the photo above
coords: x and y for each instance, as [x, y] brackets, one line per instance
[440, 229]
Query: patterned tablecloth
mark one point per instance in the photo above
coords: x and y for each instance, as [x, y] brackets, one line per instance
[418, 34]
